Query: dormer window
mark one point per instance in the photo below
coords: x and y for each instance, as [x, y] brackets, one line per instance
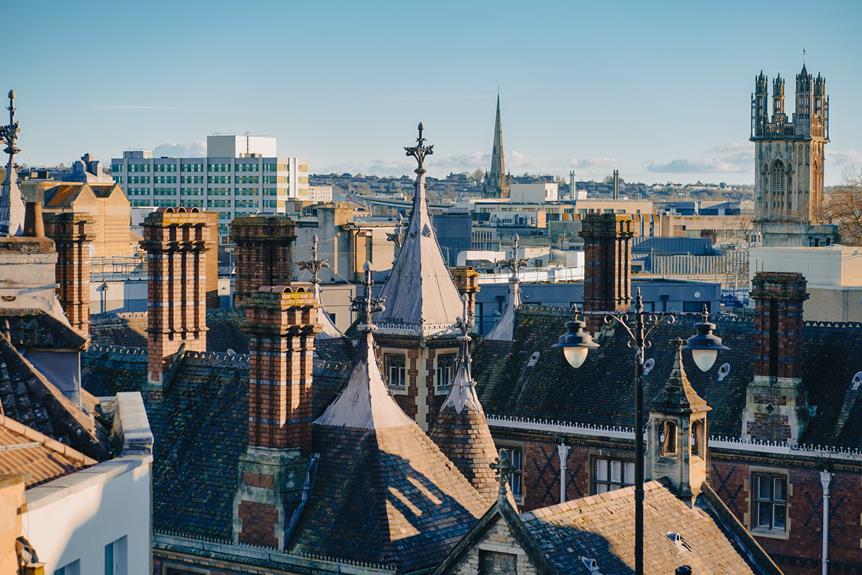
[667, 438]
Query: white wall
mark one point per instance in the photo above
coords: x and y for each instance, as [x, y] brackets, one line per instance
[823, 267]
[534, 193]
[74, 517]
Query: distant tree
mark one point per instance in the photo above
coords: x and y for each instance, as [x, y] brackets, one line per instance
[843, 206]
[478, 175]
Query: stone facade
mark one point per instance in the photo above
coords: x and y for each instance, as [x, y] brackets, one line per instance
[176, 246]
[263, 250]
[776, 402]
[607, 276]
[72, 235]
[498, 552]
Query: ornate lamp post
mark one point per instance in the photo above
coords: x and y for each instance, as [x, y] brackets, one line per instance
[704, 346]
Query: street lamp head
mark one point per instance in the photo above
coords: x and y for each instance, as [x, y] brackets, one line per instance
[705, 345]
[576, 342]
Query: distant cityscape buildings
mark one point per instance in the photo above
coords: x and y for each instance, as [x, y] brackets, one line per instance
[241, 175]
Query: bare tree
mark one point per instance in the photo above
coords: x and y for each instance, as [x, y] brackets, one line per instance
[843, 206]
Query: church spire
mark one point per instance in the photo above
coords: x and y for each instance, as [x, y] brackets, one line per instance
[496, 183]
[11, 204]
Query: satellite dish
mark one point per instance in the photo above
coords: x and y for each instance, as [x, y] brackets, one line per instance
[723, 371]
[648, 365]
[857, 380]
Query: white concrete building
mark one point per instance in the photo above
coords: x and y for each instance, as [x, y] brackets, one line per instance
[96, 519]
[241, 175]
[534, 193]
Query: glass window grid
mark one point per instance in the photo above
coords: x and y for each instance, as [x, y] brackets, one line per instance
[770, 501]
[609, 474]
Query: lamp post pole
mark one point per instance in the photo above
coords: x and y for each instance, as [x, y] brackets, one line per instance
[640, 351]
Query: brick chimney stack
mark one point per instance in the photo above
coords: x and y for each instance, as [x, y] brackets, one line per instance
[776, 402]
[175, 242]
[281, 322]
[263, 253]
[72, 236]
[607, 254]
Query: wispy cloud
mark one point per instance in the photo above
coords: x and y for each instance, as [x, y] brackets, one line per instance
[131, 107]
[848, 158]
[729, 158]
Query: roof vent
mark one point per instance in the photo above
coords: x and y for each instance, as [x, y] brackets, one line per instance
[591, 564]
[723, 371]
[534, 359]
[648, 365]
[856, 381]
[678, 540]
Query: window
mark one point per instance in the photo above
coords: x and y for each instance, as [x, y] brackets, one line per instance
[445, 372]
[73, 568]
[697, 438]
[516, 482]
[610, 474]
[116, 562]
[496, 562]
[667, 438]
[396, 370]
[770, 501]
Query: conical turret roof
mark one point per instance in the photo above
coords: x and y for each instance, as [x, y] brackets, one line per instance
[461, 428]
[677, 395]
[421, 298]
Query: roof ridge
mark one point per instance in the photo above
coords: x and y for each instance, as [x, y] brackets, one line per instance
[47, 442]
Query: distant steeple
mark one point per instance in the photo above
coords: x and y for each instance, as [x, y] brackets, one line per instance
[11, 203]
[496, 184]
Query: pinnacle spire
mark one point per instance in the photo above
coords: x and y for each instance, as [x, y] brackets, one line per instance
[314, 267]
[11, 203]
[496, 184]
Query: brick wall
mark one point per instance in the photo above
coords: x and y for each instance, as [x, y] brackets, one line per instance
[778, 323]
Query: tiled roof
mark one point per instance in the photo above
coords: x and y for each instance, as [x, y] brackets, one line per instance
[383, 492]
[27, 397]
[200, 427]
[462, 434]
[530, 378]
[420, 294]
[36, 328]
[601, 528]
[34, 456]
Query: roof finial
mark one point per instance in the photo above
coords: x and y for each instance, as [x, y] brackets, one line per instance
[366, 304]
[420, 150]
[315, 264]
[515, 262]
[9, 199]
[503, 470]
[803, 57]
[397, 236]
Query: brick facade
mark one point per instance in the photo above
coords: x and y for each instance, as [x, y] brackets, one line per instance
[175, 240]
[281, 323]
[72, 235]
[798, 551]
[263, 253]
[607, 255]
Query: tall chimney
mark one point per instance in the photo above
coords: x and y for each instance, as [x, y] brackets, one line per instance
[263, 253]
[467, 281]
[281, 323]
[34, 225]
[607, 254]
[616, 184]
[72, 235]
[175, 242]
[776, 401]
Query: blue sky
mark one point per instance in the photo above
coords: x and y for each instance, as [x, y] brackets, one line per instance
[659, 90]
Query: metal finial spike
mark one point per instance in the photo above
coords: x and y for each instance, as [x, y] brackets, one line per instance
[705, 313]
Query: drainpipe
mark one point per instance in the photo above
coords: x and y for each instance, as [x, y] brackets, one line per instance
[825, 480]
[563, 452]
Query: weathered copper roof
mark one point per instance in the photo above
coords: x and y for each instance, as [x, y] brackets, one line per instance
[421, 298]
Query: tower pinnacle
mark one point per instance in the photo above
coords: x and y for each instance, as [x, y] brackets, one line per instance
[11, 204]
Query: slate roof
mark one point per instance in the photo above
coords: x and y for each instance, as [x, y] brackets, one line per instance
[462, 434]
[200, 426]
[601, 392]
[35, 328]
[29, 398]
[383, 492]
[420, 294]
[35, 457]
[505, 327]
[601, 527]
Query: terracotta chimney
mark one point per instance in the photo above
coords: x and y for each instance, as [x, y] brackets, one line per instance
[776, 401]
[34, 225]
[607, 254]
[263, 253]
[72, 236]
[467, 281]
[175, 242]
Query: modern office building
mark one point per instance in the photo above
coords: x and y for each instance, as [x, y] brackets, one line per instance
[240, 175]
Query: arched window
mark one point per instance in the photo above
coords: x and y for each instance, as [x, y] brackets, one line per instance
[667, 438]
[697, 438]
[777, 180]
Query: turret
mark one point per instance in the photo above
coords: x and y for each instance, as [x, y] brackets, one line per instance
[759, 106]
[778, 115]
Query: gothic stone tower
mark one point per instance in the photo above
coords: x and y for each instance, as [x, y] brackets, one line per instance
[789, 162]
